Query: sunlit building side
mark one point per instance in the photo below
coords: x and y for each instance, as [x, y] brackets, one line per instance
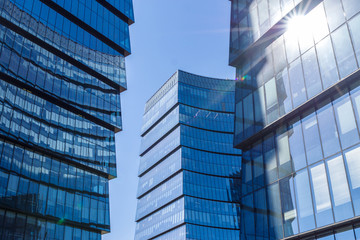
[298, 117]
[62, 68]
[189, 173]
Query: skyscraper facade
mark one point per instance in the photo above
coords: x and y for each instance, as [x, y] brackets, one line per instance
[62, 68]
[298, 117]
[189, 170]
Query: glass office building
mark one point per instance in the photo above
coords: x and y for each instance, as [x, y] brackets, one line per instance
[298, 117]
[189, 170]
[62, 69]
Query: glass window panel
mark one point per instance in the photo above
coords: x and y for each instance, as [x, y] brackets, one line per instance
[296, 143]
[283, 150]
[239, 126]
[297, 83]
[321, 195]
[304, 202]
[270, 159]
[279, 55]
[318, 21]
[355, 32]
[352, 158]
[328, 131]
[331, 237]
[284, 94]
[288, 206]
[271, 101]
[357, 232]
[311, 73]
[292, 46]
[275, 218]
[260, 109]
[312, 138]
[261, 219]
[248, 116]
[355, 96]
[334, 12]
[346, 121]
[344, 51]
[351, 7]
[258, 165]
[339, 189]
[345, 234]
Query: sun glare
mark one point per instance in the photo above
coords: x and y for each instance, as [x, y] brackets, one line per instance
[297, 25]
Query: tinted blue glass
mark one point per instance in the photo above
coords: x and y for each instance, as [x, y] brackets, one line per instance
[288, 206]
[190, 174]
[312, 139]
[352, 165]
[343, 51]
[321, 195]
[297, 83]
[339, 189]
[346, 121]
[328, 131]
[304, 202]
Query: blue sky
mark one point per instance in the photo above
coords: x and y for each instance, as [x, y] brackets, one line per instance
[191, 35]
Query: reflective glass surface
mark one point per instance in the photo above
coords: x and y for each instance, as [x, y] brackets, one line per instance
[321, 187]
[303, 62]
[62, 67]
[193, 165]
[299, 128]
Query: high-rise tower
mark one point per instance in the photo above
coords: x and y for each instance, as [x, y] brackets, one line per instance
[62, 69]
[189, 170]
[298, 117]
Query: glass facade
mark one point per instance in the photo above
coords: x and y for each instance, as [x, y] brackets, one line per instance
[297, 117]
[188, 168]
[62, 68]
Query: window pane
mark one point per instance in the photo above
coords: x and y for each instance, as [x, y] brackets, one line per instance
[288, 206]
[271, 101]
[339, 189]
[292, 46]
[353, 165]
[321, 196]
[283, 150]
[270, 159]
[333, 9]
[343, 51]
[297, 83]
[311, 73]
[248, 116]
[328, 131]
[284, 94]
[346, 121]
[355, 31]
[275, 218]
[304, 202]
[312, 139]
[296, 142]
[351, 7]
[260, 108]
[345, 234]
[319, 23]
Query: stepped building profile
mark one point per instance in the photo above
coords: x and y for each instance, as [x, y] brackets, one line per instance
[189, 171]
[62, 68]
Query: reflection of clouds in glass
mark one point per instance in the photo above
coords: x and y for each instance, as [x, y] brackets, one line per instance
[352, 159]
[321, 189]
[338, 180]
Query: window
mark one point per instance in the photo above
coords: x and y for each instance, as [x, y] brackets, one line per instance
[339, 189]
